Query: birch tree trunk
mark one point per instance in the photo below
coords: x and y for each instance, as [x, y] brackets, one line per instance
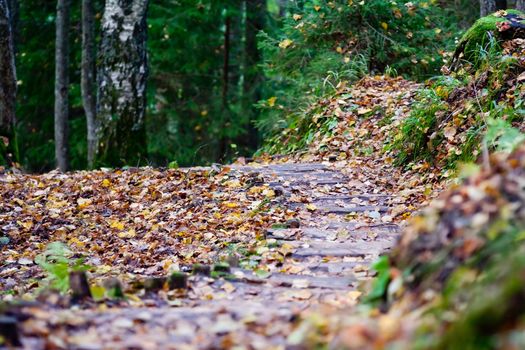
[486, 7]
[122, 77]
[7, 74]
[62, 84]
[520, 5]
[87, 83]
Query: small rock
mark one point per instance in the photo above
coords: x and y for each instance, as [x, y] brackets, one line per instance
[221, 268]
[9, 330]
[79, 285]
[178, 280]
[123, 323]
[114, 287]
[293, 223]
[154, 284]
[200, 269]
[25, 261]
[279, 191]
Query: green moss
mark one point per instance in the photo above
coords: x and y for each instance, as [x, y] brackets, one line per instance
[478, 37]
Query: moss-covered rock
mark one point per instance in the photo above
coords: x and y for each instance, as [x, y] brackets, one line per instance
[486, 35]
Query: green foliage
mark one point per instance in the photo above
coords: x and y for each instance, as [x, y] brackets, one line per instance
[193, 117]
[35, 96]
[57, 261]
[482, 39]
[380, 283]
[326, 43]
[479, 104]
[413, 139]
[502, 136]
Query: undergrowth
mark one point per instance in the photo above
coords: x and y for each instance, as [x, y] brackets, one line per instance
[457, 115]
[325, 44]
[58, 261]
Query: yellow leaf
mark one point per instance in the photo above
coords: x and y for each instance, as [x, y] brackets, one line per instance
[362, 111]
[354, 295]
[25, 224]
[83, 203]
[297, 17]
[269, 193]
[231, 204]
[285, 43]
[228, 287]
[117, 224]
[299, 294]
[106, 183]
[450, 132]
[128, 234]
[102, 269]
[271, 101]
[317, 8]
[384, 25]
[311, 207]
[97, 292]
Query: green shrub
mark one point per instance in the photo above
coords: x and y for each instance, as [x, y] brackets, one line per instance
[327, 43]
[477, 106]
[57, 261]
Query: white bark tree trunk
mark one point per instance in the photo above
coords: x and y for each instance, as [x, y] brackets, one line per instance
[122, 77]
[88, 79]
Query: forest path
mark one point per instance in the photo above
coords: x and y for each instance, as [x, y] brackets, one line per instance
[337, 234]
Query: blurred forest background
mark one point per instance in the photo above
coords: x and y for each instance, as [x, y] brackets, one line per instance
[222, 75]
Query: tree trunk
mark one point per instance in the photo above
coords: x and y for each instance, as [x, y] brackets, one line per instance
[14, 11]
[62, 84]
[486, 7]
[87, 83]
[7, 84]
[122, 77]
[226, 62]
[520, 5]
[225, 88]
[283, 6]
[255, 12]
[501, 5]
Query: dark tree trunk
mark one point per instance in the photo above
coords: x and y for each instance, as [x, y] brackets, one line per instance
[7, 84]
[225, 87]
[122, 74]
[486, 7]
[88, 77]
[255, 18]
[501, 5]
[520, 5]
[14, 10]
[226, 62]
[62, 84]
[236, 51]
[283, 4]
